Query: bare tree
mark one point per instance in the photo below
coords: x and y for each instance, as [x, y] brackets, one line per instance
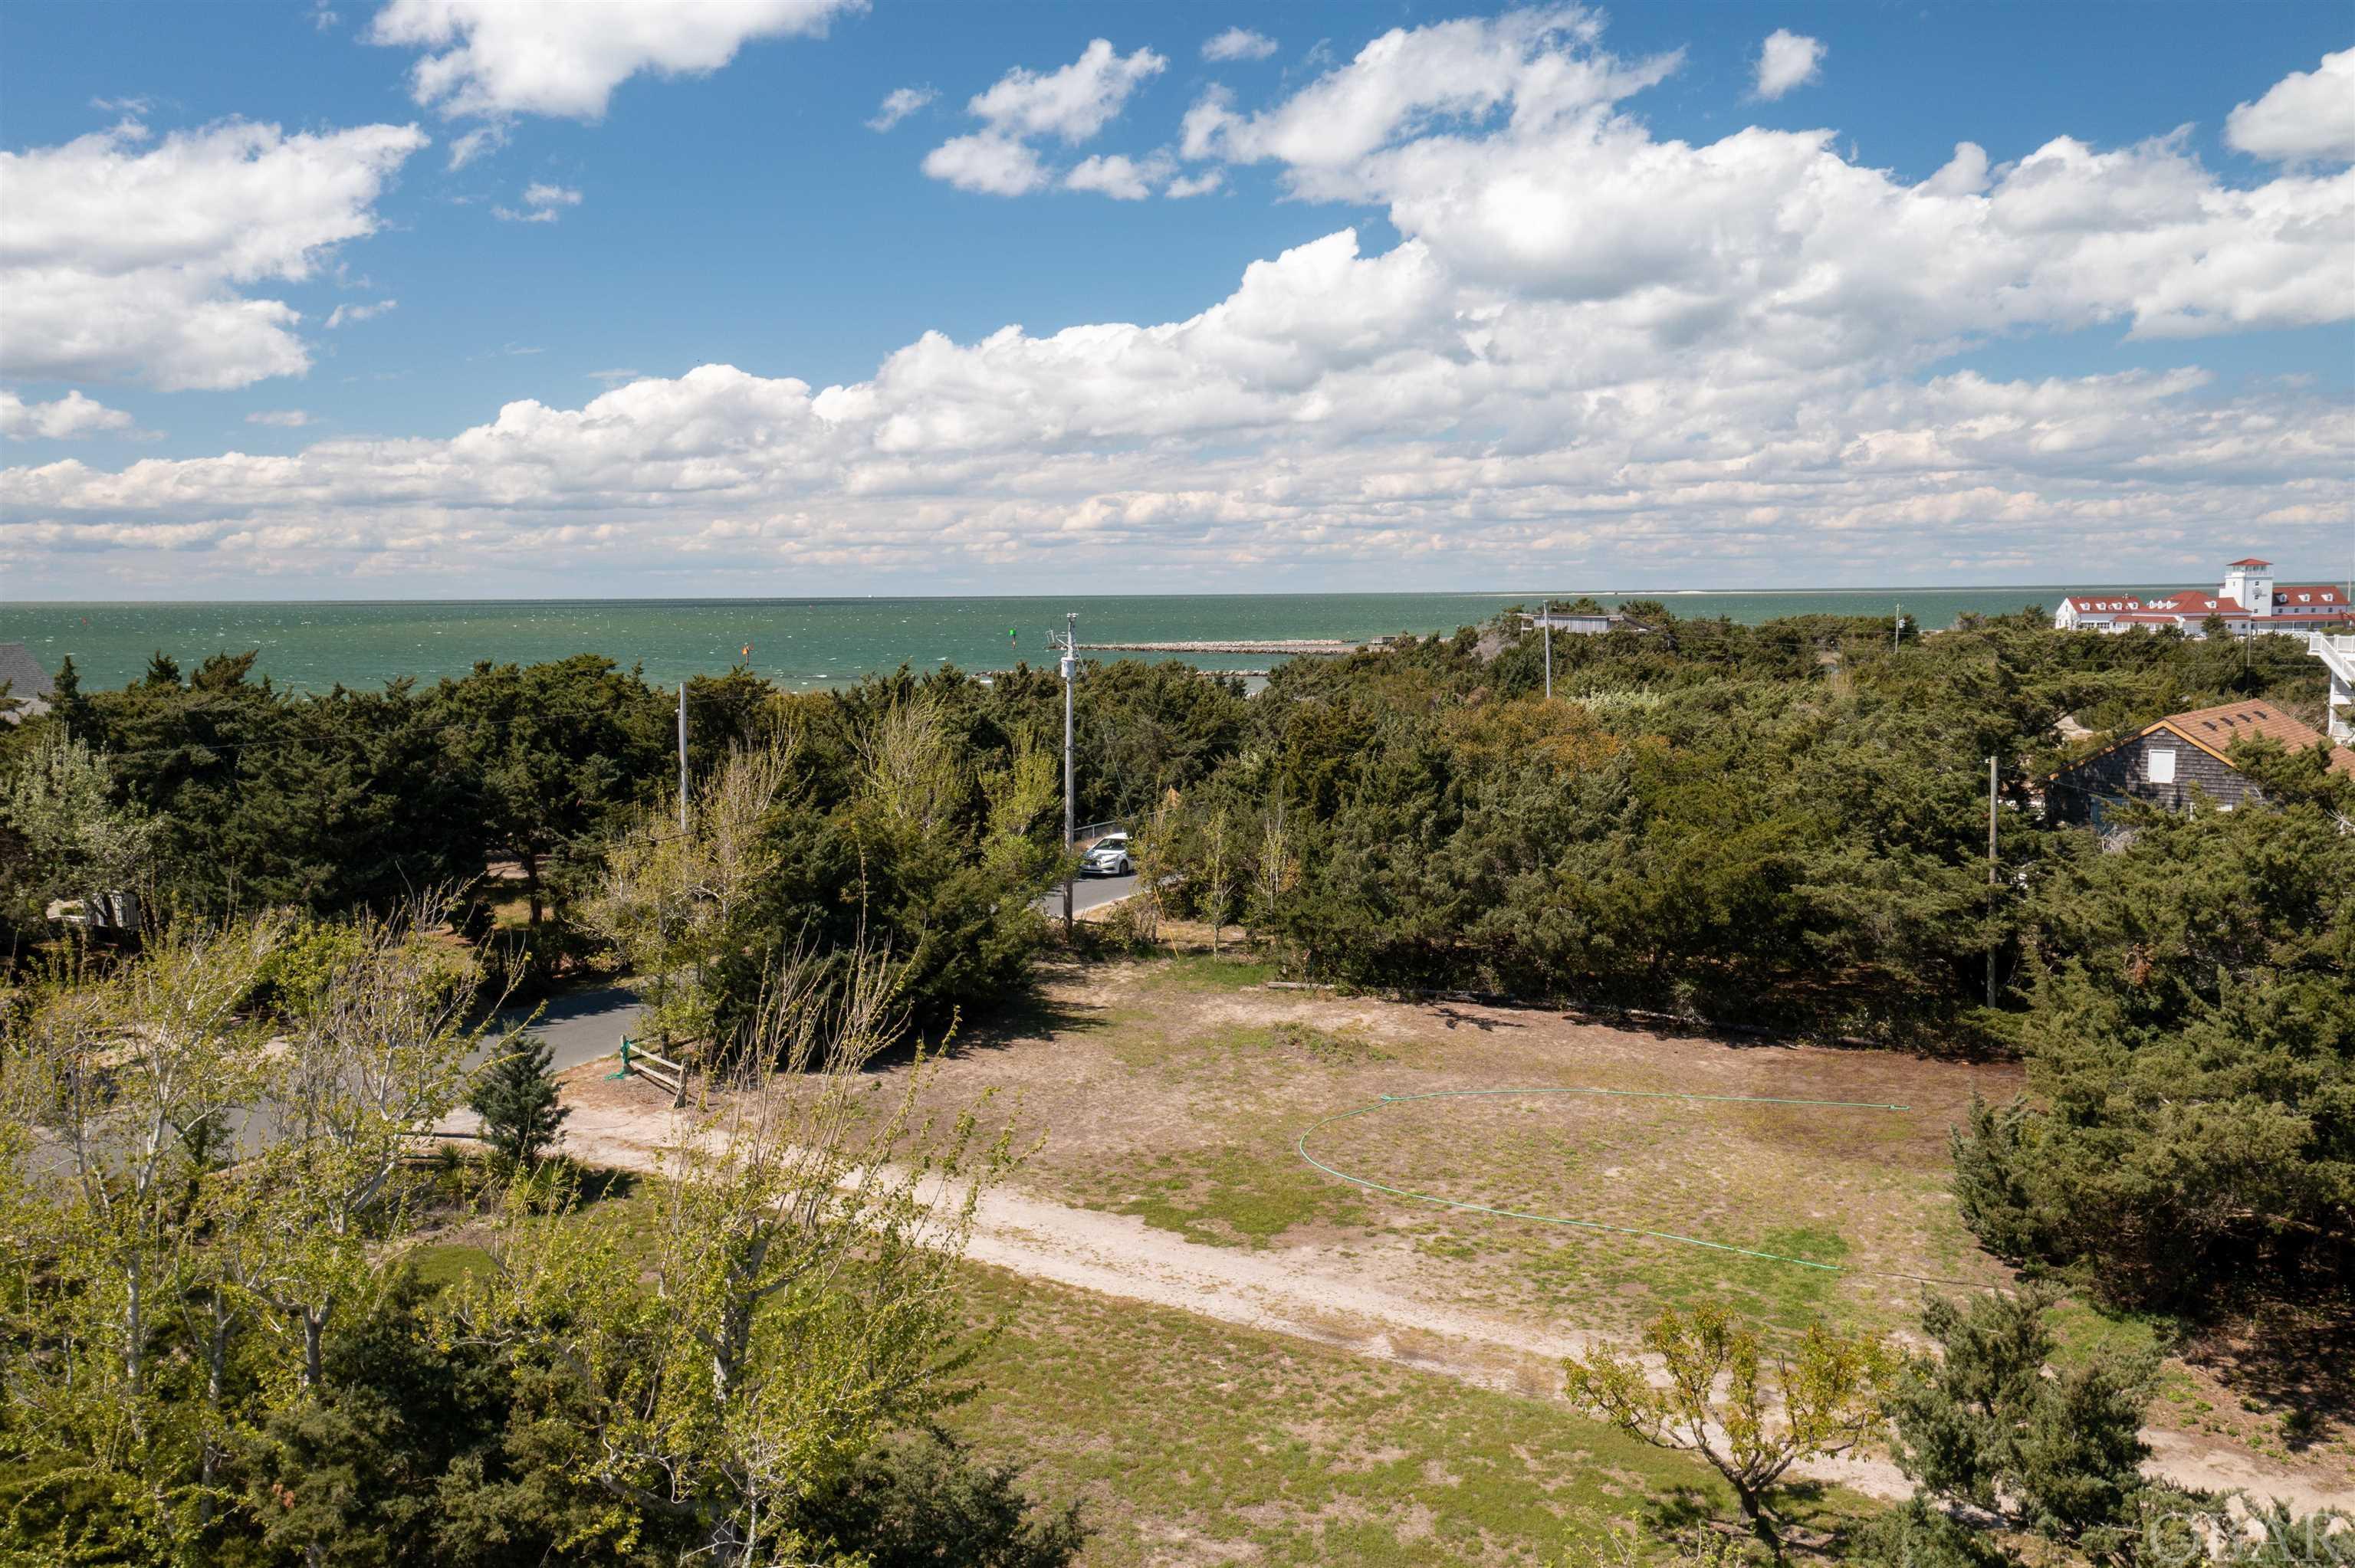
[76, 844]
[912, 766]
[670, 900]
[794, 1292]
[375, 1055]
[120, 1095]
[1218, 873]
[1278, 867]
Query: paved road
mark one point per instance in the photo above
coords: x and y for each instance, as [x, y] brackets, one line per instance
[582, 1025]
[1089, 892]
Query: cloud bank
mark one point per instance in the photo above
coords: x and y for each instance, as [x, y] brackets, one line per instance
[1589, 348]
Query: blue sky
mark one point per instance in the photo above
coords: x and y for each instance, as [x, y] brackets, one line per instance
[2172, 389]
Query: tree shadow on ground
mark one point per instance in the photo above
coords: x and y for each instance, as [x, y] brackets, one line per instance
[1676, 1510]
[2289, 1357]
[1029, 1014]
[597, 1183]
[1452, 1018]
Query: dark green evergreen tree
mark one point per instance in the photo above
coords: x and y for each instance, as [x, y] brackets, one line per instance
[1990, 1421]
[516, 1098]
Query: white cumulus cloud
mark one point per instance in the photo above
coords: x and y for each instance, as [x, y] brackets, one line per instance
[1787, 60]
[63, 420]
[283, 419]
[1121, 177]
[2306, 116]
[344, 315]
[898, 103]
[542, 204]
[1238, 43]
[126, 257]
[1073, 104]
[1412, 82]
[989, 163]
[489, 58]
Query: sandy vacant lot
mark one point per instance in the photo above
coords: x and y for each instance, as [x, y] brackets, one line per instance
[1171, 1095]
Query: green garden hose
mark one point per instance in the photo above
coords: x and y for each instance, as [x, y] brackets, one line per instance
[1387, 1100]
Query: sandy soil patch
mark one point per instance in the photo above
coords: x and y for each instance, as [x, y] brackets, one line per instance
[1170, 1100]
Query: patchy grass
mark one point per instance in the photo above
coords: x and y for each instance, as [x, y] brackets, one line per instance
[1233, 1196]
[1192, 1442]
[444, 1264]
[1181, 1099]
[1209, 971]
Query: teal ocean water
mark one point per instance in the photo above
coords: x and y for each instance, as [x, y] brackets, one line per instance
[807, 643]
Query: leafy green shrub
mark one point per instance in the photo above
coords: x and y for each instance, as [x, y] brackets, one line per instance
[926, 1502]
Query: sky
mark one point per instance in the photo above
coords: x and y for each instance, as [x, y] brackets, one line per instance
[413, 299]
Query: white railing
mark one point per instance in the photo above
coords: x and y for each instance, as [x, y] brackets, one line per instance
[2337, 656]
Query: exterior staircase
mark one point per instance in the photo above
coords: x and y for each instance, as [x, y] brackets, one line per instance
[2337, 656]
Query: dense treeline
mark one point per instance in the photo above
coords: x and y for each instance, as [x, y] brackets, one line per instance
[213, 792]
[1787, 825]
[1781, 825]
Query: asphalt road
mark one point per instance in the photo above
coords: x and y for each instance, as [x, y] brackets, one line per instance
[1089, 892]
[582, 1025]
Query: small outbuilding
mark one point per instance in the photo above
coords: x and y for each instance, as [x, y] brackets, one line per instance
[2180, 755]
[29, 688]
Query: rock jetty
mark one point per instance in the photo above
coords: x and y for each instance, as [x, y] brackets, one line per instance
[1305, 645]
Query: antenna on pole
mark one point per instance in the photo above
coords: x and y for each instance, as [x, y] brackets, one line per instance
[1071, 667]
[1991, 882]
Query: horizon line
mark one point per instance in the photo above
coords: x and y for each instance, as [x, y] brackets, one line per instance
[1047, 598]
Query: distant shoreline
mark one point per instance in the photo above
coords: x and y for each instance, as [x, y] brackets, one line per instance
[808, 643]
[1507, 595]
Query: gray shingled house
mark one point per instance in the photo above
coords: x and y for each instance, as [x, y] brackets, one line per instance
[2178, 756]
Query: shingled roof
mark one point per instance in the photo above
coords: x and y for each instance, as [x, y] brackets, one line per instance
[2214, 731]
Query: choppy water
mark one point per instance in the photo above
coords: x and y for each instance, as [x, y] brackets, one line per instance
[806, 642]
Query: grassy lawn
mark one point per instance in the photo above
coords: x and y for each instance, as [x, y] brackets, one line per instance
[1191, 1442]
[1180, 1088]
[1188, 1441]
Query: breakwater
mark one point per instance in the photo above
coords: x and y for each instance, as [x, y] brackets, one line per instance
[1287, 647]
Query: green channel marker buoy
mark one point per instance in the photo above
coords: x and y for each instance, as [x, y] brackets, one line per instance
[1386, 1101]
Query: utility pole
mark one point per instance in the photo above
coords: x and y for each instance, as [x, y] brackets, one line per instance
[1991, 882]
[1071, 794]
[1897, 629]
[1545, 625]
[682, 756]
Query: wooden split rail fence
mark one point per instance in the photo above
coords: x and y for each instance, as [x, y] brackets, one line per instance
[655, 1068]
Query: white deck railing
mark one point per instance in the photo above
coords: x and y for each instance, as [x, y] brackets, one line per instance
[2337, 656]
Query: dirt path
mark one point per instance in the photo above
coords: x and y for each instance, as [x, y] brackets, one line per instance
[1295, 1292]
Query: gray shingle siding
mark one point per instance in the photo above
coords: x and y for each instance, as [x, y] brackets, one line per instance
[2078, 794]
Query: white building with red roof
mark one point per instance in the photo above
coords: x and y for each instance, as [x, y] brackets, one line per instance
[2248, 601]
